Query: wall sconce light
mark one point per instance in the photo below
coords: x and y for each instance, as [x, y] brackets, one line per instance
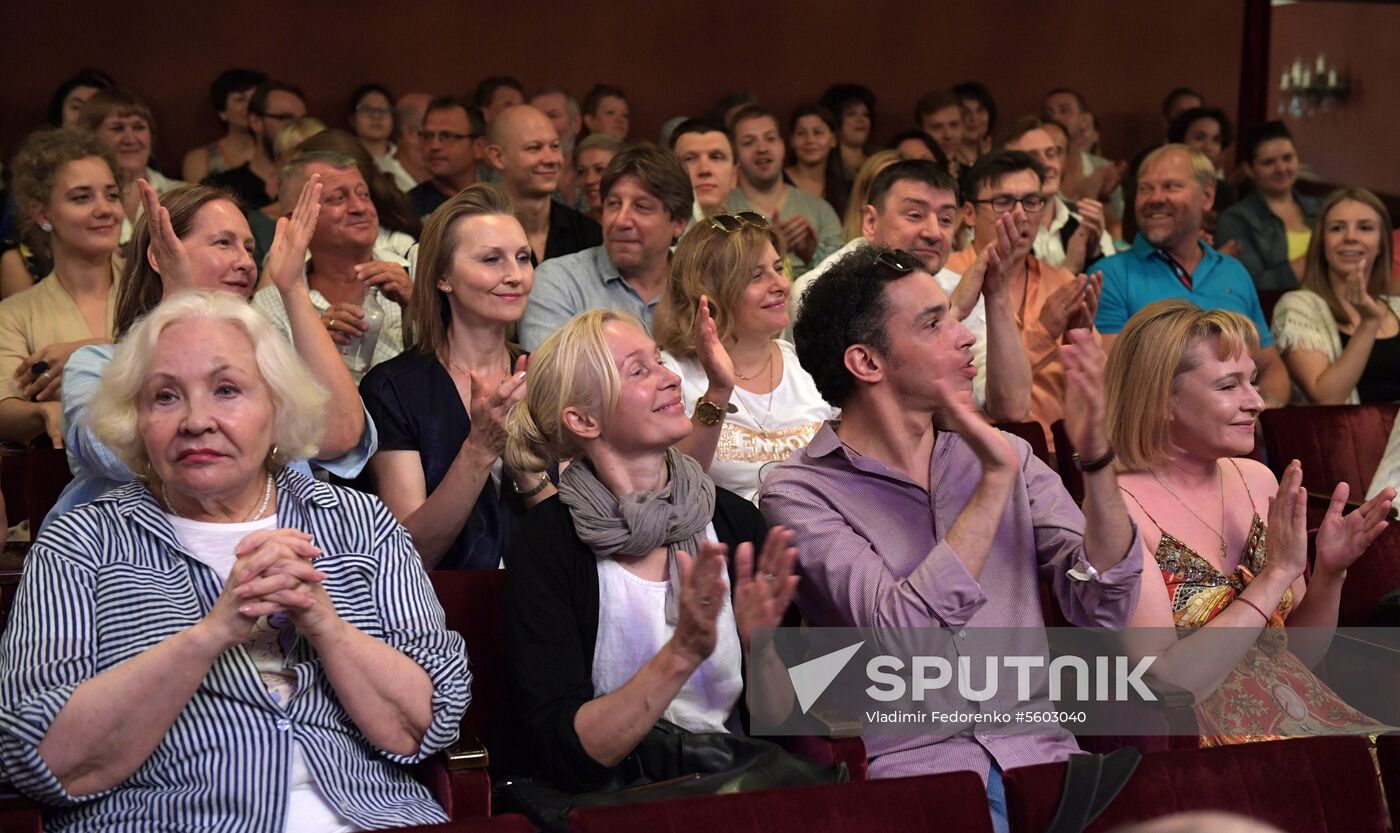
[1307, 90]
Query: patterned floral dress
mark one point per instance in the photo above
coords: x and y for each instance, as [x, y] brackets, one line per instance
[1270, 694]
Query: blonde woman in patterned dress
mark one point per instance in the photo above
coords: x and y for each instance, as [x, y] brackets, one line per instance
[1225, 543]
[750, 401]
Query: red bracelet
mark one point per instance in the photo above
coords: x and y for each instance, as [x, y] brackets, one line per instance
[1267, 618]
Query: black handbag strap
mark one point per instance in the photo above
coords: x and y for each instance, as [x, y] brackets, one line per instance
[1091, 784]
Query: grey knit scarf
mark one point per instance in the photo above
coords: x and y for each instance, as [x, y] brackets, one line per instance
[674, 516]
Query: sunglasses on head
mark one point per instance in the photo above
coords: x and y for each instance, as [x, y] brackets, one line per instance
[731, 223]
[898, 260]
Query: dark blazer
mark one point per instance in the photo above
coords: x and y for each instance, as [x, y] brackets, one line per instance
[551, 614]
[1263, 239]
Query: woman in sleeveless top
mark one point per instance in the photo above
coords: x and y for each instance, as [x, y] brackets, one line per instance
[1225, 544]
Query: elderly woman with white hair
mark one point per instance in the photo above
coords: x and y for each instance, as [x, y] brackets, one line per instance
[225, 642]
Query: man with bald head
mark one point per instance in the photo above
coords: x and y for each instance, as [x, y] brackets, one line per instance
[344, 258]
[524, 148]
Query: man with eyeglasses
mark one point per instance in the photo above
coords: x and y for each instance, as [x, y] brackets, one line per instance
[523, 147]
[273, 106]
[449, 138]
[912, 511]
[1074, 238]
[1047, 301]
[913, 206]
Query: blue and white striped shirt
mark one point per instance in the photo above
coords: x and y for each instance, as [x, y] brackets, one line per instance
[110, 580]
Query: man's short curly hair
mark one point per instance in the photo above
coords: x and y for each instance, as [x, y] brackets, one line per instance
[847, 305]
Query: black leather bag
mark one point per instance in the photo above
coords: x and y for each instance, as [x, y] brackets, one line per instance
[673, 763]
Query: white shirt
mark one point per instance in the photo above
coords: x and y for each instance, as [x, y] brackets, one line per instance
[975, 322]
[631, 630]
[1047, 246]
[390, 165]
[767, 426]
[268, 301]
[213, 544]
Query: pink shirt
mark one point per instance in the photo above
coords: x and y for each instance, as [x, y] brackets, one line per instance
[871, 554]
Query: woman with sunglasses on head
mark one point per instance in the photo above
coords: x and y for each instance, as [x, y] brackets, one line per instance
[750, 401]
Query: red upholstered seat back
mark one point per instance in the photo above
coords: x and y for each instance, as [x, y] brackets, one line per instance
[474, 603]
[507, 823]
[952, 801]
[1033, 433]
[1304, 785]
[1334, 443]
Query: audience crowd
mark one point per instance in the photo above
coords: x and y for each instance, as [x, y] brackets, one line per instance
[681, 391]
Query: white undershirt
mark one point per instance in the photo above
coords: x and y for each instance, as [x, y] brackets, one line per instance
[213, 544]
[631, 630]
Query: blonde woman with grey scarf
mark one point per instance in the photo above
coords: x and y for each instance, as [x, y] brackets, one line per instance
[622, 607]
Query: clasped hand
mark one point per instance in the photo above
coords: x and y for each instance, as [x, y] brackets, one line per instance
[272, 574]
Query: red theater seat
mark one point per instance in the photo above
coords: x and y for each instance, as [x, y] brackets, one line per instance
[952, 801]
[1033, 433]
[473, 601]
[1304, 785]
[507, 823]
[1335, 443]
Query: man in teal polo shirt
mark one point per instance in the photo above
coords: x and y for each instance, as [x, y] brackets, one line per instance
[1176, 186]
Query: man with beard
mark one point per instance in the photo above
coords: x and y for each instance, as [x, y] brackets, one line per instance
[913, 206]
[523, 148]
[646, 205]
[274, 105]
[808, 225]
[1176, 187]
[451, 131]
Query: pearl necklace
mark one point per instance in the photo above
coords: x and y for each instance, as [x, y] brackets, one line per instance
[257, 513]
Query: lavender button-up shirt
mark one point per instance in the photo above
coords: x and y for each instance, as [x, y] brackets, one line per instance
[871, 553]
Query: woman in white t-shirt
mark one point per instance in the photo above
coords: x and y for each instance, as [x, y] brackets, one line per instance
[749, 399]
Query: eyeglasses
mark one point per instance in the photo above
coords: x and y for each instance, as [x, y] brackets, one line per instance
[374, 112]
[280, 116]
[447, 137]
[1003, 203]
[898, 260]
[731, 223]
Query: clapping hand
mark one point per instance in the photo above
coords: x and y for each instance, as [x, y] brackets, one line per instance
[993, 451]
[1341, 539]
[761, 599]
[1365, 303]
[1084, 400]
[1287, 542]
[719, 368]
[488, 409]
[166, 253]
[286, 259]
[702, 596]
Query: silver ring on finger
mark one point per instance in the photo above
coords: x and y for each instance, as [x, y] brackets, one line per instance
[769, 577]
[705, 601]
